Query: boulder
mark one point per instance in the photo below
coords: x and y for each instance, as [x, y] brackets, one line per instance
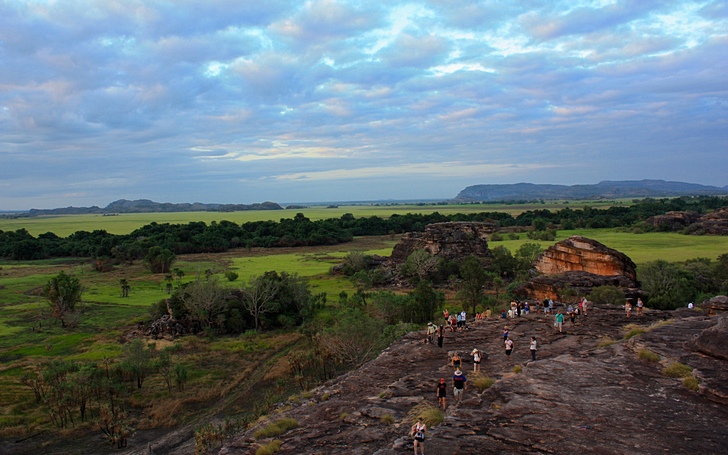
[451, 240]
[673, 221]
[581, 283]
[713, 341]
[579, 253]
[717, 304]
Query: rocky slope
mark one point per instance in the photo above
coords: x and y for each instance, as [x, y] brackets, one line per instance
[576, 398]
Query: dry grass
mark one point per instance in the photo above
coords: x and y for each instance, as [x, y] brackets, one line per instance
[269, 448]
[276, 428]
[691, 382]
[431, 415]
[606, 341]
[677, 370]
[482, 382]
[648, 356]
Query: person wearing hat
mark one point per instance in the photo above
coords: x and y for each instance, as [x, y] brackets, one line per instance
[431, 329]
[477, 356]
[441, 391]
[458, 384]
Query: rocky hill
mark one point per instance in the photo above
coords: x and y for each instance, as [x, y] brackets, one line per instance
[601, 190]
[582, 394]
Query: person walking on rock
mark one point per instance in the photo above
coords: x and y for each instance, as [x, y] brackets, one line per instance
[441, 391]
[628, 308]
[418, 433]
[458, 385]
[505, 333]
[440, 336]
[456, 361]
[533, 348]
[477, 357]
[640, 307]
[559, 320]
[509, 347]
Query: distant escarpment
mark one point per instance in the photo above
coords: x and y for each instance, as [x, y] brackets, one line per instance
[602, 190]
[147, 206]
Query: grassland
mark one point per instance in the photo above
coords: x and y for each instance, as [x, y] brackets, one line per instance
[63, 225]
[217, 366]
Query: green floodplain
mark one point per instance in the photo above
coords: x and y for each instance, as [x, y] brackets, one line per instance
[108, 317]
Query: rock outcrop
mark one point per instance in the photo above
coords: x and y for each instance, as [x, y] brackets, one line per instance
[577, 397]
[580, 264]
[715, 305]
[713, 223]
[446, 240]
[580, 254]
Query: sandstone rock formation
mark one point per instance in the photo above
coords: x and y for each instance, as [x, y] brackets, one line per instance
[714, 305]
[580, 264]
[446, 240]
[713, 223]
[577, 397]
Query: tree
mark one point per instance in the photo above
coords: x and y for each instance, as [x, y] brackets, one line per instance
[124, 287]
[607, 295]
[158, 259]
[63, 292]
[420, 264]
[665, 284]
[528, 252]
[205, 302]
[474, 279]
[258, 297]
[137, 360]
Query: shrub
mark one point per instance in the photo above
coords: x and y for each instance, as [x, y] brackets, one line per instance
[270, 448]
[607, 295]
[387, 419]
[343, 415]
[648, 356]
[691, 382]
[517, 369]
[482, 382]
[677, 370]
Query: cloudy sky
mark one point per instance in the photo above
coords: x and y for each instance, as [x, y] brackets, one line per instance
[238, 101]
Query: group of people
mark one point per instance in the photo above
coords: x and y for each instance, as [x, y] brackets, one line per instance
[640, 307]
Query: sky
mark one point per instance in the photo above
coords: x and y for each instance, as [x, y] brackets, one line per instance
[237, 101]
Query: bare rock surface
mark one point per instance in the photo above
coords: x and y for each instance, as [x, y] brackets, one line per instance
[577, 397]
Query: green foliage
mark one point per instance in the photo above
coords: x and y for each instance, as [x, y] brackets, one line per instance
[63, 292]
[231, 276]
[137, 360]
[608, 295]
[474, 279]
[665, 284]
[158, 259]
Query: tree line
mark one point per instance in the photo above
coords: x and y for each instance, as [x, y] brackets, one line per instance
[200, 237]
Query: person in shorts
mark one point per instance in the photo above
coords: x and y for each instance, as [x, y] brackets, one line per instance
[509, 347]
[458, 385]
[418, 433]
[441, 391]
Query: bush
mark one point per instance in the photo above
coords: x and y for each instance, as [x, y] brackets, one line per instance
[648, 356]
[677, 370]
[270, 448]
[517, 369]
[609, 295]
[387, 419]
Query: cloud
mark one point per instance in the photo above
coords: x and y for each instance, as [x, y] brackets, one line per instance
[229, 101]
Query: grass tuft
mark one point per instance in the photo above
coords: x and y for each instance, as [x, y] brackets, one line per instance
[269, 448]
[677, 370]
[276, 428]
[606, 341]
[517, 369]
[691, 382]
[482, 382]
[387, 419]
[431, 414]
[633, 330]
[648, 356]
